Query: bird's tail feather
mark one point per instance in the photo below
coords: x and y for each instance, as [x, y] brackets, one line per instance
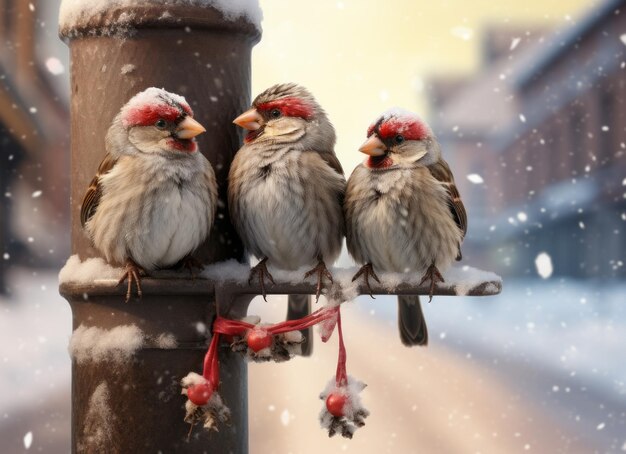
[300, 306]
[411, 321]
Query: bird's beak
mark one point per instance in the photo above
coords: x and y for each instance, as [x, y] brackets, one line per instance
[250, 120]
[373, 146]
[189, 128]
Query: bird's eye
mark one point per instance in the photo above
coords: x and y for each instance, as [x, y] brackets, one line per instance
[275, 113]
[398, 139]
[160, 123]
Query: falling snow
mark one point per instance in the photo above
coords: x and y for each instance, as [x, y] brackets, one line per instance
[543, 262]
[54, 66]
[28, 440]
[285, 417]
[475, 178]
[465, 33]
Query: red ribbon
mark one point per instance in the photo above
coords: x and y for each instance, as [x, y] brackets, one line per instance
[238, 328]
[341, 378]
[330, 315]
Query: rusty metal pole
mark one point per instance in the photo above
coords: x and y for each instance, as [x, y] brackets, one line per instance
[196, 52]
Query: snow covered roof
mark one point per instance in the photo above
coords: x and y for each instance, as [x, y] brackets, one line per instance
[488, 101]
[114, 17]
[564, 39]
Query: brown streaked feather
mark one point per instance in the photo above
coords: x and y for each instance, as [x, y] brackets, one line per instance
[332, 161]
[92, 196]
[441, 172]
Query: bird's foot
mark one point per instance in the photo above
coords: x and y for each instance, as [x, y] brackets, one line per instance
[261, 271]
[366, 271]
[189, 263]
[321, 271]
[435, 276]
[132, 272]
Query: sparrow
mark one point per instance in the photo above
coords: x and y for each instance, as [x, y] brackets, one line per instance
[403, 211]
[286, 188]
[153, 199]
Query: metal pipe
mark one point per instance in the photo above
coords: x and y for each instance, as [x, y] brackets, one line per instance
[193, 50]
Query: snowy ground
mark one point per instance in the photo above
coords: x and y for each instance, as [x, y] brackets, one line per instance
[571, 327]
[35, 327]
[559, 343]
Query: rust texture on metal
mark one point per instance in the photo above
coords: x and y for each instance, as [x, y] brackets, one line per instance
[193, 51]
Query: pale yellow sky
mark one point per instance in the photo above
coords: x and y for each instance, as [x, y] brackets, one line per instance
[361, 57]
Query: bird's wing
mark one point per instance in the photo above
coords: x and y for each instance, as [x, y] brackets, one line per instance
[331, 159]
[92, 196]
[441, 172]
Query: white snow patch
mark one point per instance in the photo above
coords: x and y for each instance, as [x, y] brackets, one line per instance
[75, 13]
[543, 262]
[403, 116]
[465, 278]
[351, 391]
[54, 66]
[98, 434]
[475, 178]
[165, 341]
[191, 379]
[229, 270]
[117, 345]
[88, 272]
[128, 68]
[151, 96]
[28, 440]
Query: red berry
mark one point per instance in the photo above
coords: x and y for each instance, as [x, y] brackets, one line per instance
[200, 394]
[335, 403]
[258, 339]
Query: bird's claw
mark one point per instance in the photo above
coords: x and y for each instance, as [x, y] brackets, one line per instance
[132, 272]
[190, 262]
[261, 270]
[321, 271]
[435, 276]
[366, 271]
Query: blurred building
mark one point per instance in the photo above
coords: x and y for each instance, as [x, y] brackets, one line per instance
[34, 126]
[544, 126]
